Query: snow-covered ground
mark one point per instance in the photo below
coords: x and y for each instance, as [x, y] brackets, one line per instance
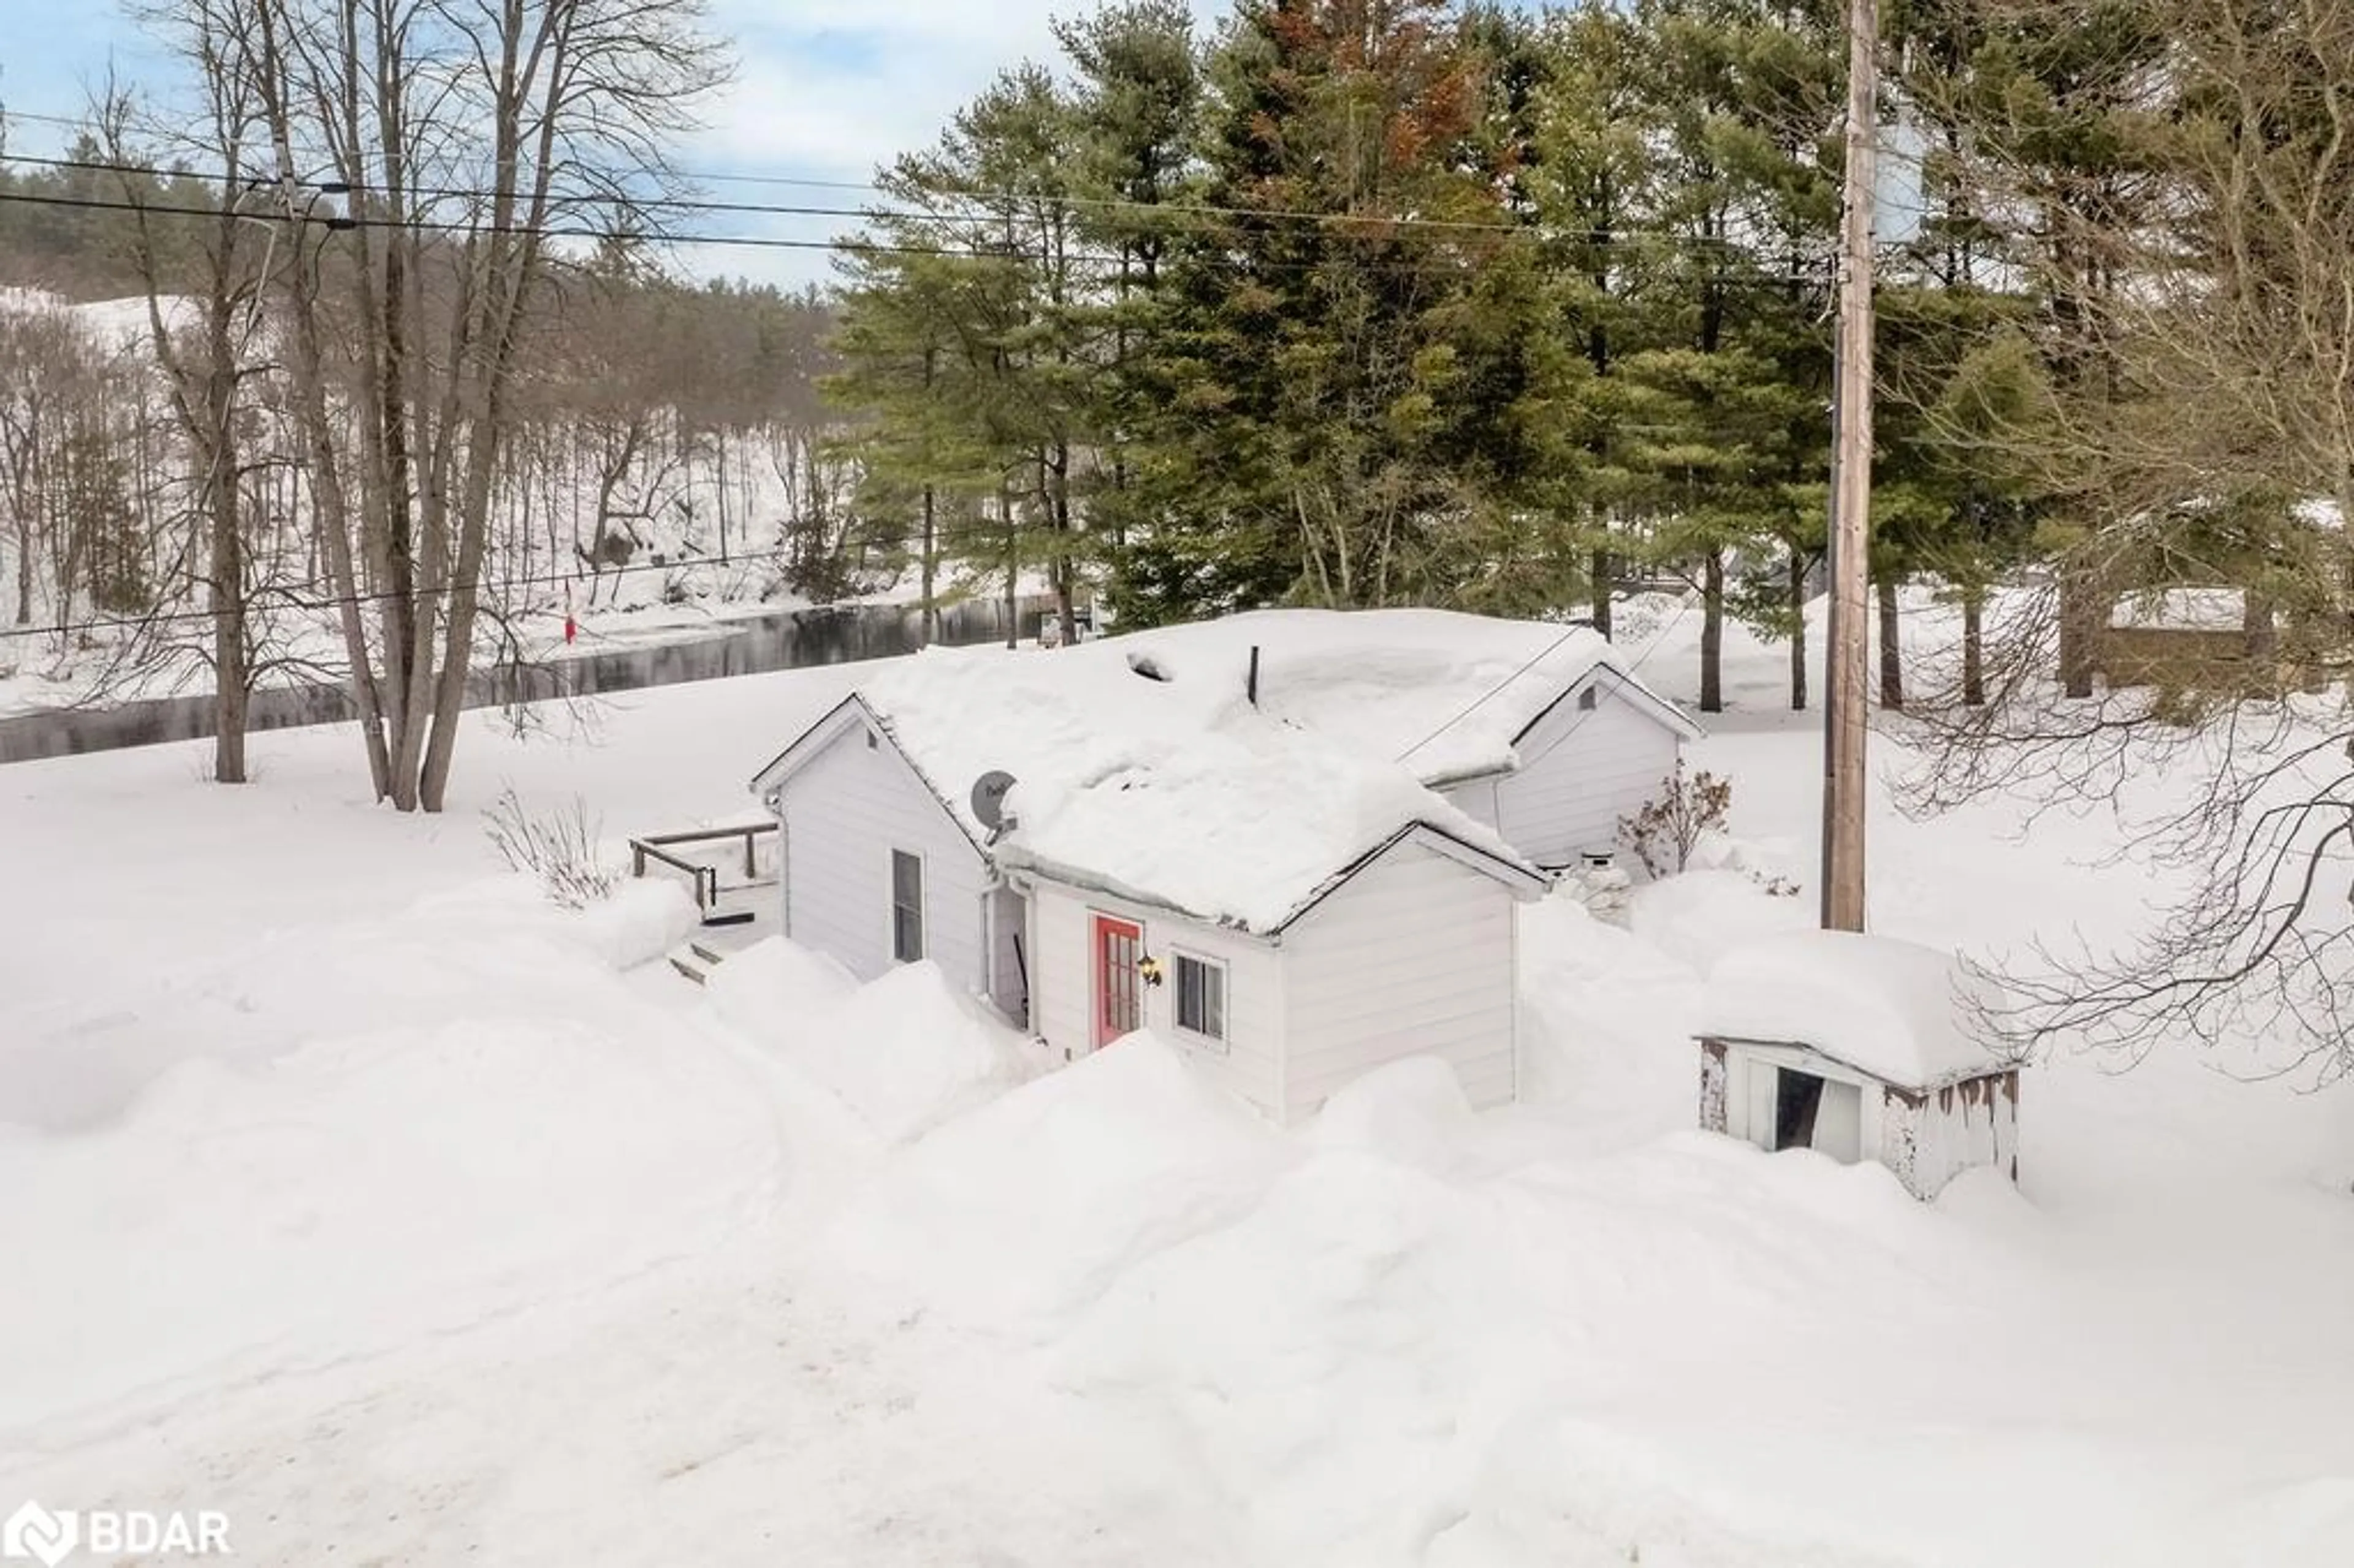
[355, 1194]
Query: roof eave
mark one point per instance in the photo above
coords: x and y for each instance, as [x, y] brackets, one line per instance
[1992, 1069]
[1668, 712]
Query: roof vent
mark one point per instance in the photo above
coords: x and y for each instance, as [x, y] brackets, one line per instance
[1146, 665]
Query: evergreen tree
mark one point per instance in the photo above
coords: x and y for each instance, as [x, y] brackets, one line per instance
[1354, 382]
[1729, 409]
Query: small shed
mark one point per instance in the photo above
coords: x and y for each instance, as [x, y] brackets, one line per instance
[1858, 1047]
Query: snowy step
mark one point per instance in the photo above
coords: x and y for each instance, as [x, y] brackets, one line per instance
[695, 959]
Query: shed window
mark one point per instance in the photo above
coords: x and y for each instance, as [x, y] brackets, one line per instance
[906, 907]
[1201, 996]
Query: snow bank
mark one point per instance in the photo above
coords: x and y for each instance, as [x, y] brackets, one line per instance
[775, 984]
[1695, 916]
[1015, 1214]
[1895, 1010]
[908, 1052]
[405, 1165]
[1603, 1017]
[641, 920]
[1410, 1113]
[905, 1051]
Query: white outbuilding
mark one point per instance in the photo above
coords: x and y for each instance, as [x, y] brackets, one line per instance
[1162, 844]
[1858, 1047]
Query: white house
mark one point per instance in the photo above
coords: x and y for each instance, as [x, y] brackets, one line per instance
[1188, 846]
[1858, 1047]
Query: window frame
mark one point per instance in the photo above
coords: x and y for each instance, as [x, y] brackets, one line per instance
[894, 908]
[1180, 957]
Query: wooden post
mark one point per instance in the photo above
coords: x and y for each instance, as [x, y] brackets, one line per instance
[1851, 522]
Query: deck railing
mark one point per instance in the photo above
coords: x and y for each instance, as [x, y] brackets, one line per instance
[659, 847]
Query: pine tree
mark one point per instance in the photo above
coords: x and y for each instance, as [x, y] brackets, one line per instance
[1729, 410]
[1356, 381]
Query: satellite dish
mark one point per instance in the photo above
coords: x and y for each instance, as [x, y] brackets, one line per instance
[988, 797]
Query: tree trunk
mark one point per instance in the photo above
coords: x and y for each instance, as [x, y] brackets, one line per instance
[2078, 633]
[719, 484]
[1891, 656]
[229, 675]
[1602, 586]
[330, 516]
[1012, 571]
[1974, 647]
[931, 633]
[1797, 631]
[1712, 634]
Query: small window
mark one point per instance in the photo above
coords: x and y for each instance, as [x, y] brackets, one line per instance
[906, 907]
[1201, 996]
[872, 744]
[1586, 700]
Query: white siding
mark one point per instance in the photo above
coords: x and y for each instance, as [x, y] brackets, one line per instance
[1475, 798]
[1964, 1126]
[1581, 770]
[1062, 993]
[1412, 956]
[844, 812]
[1927, 1140]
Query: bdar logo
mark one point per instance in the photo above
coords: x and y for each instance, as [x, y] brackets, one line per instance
[34, 1532]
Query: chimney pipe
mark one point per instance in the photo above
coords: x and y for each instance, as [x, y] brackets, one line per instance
[1250, 687]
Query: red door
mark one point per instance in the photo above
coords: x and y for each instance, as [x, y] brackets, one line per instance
[1120, 990]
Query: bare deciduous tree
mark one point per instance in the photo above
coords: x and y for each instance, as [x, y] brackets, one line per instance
[2214, 450]
[465, 132]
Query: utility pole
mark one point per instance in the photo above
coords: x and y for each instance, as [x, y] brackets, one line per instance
[1850, 521]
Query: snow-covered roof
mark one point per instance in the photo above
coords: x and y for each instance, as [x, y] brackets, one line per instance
[1167, 787]
[1895, 1010]
[1446, 693]
[2182, 610]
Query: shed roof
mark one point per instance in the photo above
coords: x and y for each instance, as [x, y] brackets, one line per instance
[2182, 610]
[1893, 1010]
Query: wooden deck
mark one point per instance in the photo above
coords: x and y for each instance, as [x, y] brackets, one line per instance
[731, 873]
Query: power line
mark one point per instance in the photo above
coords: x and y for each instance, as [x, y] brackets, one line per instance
[538, 232]
[902, 214]
[959, 199]
[1540, 657]
[839, 246]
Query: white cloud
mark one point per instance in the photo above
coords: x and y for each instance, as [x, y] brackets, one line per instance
[828, 89]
